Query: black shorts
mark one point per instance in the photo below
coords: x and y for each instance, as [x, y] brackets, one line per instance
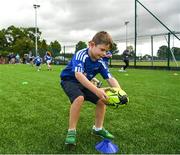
[38, 64]
[74, 90]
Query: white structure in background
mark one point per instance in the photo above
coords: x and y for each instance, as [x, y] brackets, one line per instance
[35, 7]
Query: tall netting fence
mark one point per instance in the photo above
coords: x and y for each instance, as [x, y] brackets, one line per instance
[157, 39]
[66, 54]
[156, 44]
[151, 51]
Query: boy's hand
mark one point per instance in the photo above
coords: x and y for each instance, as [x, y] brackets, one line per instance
[101, 94]
[86, 83]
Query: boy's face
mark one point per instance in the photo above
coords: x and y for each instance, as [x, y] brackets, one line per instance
[98, 51]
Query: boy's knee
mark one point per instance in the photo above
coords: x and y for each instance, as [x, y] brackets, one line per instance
[101, 103]
[79, 99]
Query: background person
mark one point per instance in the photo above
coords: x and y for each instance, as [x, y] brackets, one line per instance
[126, 55]
[37, 62]
[17, 58]
[48, 59]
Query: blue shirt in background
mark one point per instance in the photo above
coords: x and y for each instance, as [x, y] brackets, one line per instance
[38, 60]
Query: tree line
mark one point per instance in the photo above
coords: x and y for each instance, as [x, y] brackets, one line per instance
[22, 40]
[163, 52]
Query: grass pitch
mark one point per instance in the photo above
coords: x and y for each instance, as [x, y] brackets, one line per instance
[34, 113]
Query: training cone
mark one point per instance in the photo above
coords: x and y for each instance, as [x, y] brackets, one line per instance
[106, 146]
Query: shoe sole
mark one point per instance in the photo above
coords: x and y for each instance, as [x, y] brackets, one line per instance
[96, 135]
[101, 136]
[73, 144]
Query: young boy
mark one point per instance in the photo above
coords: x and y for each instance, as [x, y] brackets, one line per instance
[75, 80]
[106, 58]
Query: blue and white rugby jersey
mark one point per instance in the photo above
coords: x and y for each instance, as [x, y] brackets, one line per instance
[81, 62]
[47, 57]
[106, 59]
[37, 60]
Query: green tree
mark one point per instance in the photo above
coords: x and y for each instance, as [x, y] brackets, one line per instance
[114, 49]
[22, 46]
[4, 53]
[42, 48]
[30, 32]
[14, 34]
[55, 47]
[176, 52]
[147, 57]
[131, 50]
[80, 45]
[3, 40]
[162, 52]
[22, 40]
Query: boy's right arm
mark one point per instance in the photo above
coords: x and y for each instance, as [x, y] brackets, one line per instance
[113, 82]
[86, 83]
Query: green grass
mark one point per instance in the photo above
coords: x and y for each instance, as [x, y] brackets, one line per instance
[34, 116]
[146, 63]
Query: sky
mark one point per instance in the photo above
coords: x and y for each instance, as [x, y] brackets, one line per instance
[70, 21]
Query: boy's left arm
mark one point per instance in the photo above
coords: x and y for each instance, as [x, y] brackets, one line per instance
[113, 82]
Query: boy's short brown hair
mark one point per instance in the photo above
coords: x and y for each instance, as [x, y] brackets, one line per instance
[103, 37]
